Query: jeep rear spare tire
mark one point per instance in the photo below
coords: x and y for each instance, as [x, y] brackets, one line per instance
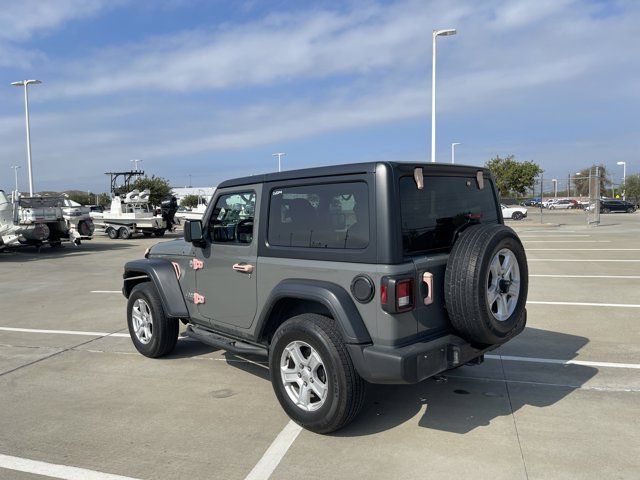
[486, 283]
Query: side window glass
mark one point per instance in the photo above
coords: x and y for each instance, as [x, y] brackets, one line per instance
[232, 218]
[320, 216]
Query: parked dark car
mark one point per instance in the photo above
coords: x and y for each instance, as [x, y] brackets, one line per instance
[609, 206]
[532, 202]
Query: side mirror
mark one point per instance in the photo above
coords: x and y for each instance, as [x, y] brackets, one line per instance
[193, 231]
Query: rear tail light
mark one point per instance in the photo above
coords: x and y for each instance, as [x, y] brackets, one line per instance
[383, 294]
[404, 295]
[397, 294]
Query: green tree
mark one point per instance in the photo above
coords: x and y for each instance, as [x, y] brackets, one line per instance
[158, 186]
[513, 177]
[80, 197]
[104, 199]
[631, 188]
[582, 180]
[189, 201]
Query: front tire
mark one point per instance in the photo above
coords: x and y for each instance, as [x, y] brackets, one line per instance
[312, 374]
[517, 216]
[152, 333]
[112, 233]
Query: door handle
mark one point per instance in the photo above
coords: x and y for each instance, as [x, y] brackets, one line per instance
[243, 267]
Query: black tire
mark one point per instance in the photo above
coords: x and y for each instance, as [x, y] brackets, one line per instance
[112, 233]
[147, 234]
[517, 216]
[466, 284]
[165, 330]
[345, 386]
[124, 233]
[159, 232]
[604, 210]
[631, 210]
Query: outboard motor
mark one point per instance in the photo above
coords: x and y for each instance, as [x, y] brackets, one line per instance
[169, 207]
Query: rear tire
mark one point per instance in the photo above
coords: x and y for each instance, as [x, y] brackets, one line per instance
[124, 233]
[161, 332]
[517, 216]
[318, 341]
[486, 283]
[112, 233]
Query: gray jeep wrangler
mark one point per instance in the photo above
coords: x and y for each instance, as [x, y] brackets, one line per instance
[375, 272]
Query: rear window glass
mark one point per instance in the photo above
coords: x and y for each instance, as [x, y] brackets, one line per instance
[320, 216]
[432, 216]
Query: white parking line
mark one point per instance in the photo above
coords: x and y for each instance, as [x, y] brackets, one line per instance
[590, 260]
[504, 357]
[585, 363]
[585, 304]
[547, 232]
[547, 384]
[276, 451]
[64, 332]
[552, 236]
[583, 249]
[54, 470]
[625, 277]
[106, 291]
[567, 241]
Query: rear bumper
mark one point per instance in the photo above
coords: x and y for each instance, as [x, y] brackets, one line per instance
[417, 361]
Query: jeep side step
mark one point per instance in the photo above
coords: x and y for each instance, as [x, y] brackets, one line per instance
[225, 343]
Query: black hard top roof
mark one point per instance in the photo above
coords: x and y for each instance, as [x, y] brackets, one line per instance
[344, 169]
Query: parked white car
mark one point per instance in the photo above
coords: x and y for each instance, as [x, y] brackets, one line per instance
[514, 212]
[561, 205]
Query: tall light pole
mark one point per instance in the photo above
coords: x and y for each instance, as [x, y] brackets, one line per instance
[555, 187]
[624, 178]
[279, 155]
[453, 151]
[135, 162]
[15, 174]
[436, 34]
[25, 84]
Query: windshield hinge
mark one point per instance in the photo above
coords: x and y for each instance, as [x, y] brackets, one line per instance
[419, 178]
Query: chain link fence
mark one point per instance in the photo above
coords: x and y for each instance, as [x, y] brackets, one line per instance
[584, 193]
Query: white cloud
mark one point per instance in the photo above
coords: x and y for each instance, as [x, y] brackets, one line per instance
[277, 49]
[327, 70]
[19, 20]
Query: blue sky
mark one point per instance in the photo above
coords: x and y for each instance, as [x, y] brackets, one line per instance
[213, 88]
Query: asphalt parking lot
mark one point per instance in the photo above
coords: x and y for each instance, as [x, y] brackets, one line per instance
[562, 400]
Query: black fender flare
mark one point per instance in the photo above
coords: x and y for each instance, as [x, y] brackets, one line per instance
[332, 296]
[163, 275]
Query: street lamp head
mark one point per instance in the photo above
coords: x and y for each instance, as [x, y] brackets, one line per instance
[22, 83]
[621, 163]
[445, 32]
